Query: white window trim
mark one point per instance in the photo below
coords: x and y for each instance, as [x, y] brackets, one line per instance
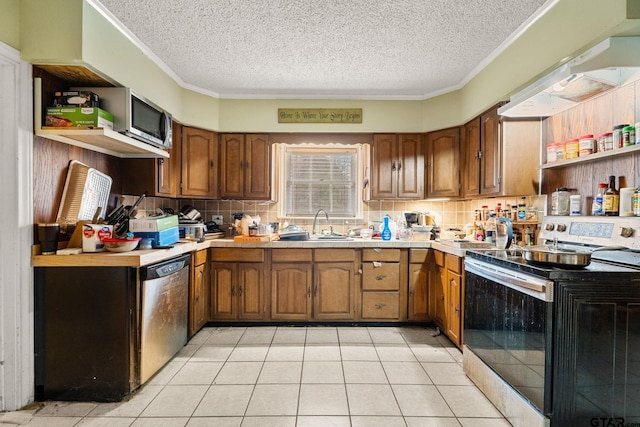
[280, 173]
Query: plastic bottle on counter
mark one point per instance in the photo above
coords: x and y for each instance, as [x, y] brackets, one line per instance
[611, 198]
[385, 233]
[596, 207]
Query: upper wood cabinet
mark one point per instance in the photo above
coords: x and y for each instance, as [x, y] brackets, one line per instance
[199, 163]
[500, 156]
[154, 177]
[482, 172]
[398, 167]
[443, 163]
[245, 166]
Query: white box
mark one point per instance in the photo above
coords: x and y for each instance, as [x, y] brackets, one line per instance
[92, 235]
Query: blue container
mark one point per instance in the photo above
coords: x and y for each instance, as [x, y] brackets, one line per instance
[161, 238]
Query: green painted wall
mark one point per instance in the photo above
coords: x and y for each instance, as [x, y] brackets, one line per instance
[567, 28]
[9, 24]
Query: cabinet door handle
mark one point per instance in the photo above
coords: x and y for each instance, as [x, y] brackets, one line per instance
[309, 291]
[380, 305]
[211, 164]
[239, 290]
[457, 309]
[381, 277]
[399, 166]
[315, 291]
[442, 297]
[233, 291]
[241, 165]
[393, 166]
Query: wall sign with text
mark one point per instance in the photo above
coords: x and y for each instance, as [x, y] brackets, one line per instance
[319, 115]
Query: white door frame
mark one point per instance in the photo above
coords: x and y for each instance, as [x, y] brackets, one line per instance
[16, 231]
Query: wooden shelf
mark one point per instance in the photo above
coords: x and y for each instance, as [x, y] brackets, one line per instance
[101, 140]
[104, 141]
[593, 157]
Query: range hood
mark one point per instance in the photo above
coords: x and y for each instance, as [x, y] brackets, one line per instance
[610, 64]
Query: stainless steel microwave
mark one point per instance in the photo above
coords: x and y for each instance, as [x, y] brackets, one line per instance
[135, 116]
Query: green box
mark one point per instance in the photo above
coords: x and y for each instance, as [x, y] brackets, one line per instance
[78, 117]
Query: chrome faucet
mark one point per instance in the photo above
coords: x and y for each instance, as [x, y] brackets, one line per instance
[315, 218]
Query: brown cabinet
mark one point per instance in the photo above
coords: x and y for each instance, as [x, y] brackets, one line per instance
[440, 294]
[199, 163]
[443, 163]
[291, 284]
[397, 170]
[245, 166]
[448, 298]
[197, 291]
[237, 285]
[334, 277]
[421, 278]
[154, 177]
[384, 284]
[498, 156]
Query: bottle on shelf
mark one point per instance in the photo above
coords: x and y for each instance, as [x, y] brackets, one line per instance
[490, 229]
[596, 207]
[522, 210]
[611, 198]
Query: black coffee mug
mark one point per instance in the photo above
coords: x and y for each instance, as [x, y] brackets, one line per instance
[48, 237]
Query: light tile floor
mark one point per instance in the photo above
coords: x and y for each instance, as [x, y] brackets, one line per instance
[294, 376]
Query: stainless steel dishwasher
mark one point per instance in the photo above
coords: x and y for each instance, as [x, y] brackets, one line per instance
[163, 329]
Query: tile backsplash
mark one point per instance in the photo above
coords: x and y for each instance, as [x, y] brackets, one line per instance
[448, 214]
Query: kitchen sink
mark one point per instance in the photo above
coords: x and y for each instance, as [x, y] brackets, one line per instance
[332, 238]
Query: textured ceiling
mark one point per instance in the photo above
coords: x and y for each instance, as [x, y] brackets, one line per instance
[376, 49]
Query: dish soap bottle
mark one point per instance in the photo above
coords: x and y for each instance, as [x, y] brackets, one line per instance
[385, 234]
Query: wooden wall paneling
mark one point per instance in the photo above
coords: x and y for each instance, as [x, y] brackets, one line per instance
[575, 122]
[602, 111]
[624, 170]
[624, 105]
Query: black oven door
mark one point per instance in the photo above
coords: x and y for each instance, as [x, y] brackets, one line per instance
[509, 328]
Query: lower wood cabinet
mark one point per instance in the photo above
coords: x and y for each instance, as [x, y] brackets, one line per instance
[334, 277]
[237, 285]
[384, 284]
[291, 284]
[448, 295]
[313, 284]
[422, 276]
[198, 291]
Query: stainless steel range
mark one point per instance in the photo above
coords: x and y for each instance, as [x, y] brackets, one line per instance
[558, 344]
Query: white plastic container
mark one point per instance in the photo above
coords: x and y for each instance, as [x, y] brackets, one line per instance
[560, 202]
[626, 201]
[574, 204]
[92, 235]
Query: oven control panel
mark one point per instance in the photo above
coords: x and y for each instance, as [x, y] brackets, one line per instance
[592, 230]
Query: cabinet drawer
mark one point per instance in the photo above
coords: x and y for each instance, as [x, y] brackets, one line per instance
[237, 254]
[377, 254]
[380, 305]
[453, 263]
[385, 277]
[200, 257]
[291, 255]
[331, 255]
[420, 256]
[439, 258]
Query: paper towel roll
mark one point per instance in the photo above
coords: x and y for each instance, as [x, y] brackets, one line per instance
[626, 201]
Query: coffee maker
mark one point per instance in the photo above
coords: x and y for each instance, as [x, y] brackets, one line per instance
[411, 218]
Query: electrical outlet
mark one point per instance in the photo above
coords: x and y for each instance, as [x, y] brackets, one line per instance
[218, 219]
